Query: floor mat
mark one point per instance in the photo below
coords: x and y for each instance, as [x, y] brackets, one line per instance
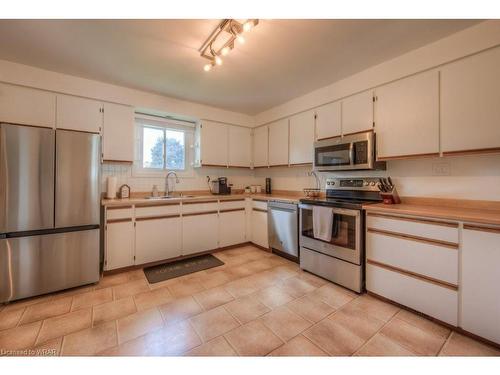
[182, 267]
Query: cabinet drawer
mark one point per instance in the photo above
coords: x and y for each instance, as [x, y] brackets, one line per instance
[157, 210]
[432, 260]
[431, 299]
[114, 213]
[193, 207]
[232, 204]
[260, 205]
[413, 226]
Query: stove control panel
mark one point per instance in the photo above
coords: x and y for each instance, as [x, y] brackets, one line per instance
[353, 183]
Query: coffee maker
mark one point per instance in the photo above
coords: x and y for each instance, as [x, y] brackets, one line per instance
[220, 186]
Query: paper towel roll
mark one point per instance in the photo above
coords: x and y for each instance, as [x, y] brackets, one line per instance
[111, 189]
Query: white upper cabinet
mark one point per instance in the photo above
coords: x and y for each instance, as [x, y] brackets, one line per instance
[328, 121]
[261, 146]
[21, 105]
[407, 117]
[357, 113]
[240, 146]
[214, 144]
[278, 143]
[74, 113]
[470, 105]
[118, 133]
[302, 138]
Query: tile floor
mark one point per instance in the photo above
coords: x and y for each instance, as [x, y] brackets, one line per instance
[256, 304]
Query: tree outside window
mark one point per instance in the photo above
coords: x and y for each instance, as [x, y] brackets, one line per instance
[163, 148]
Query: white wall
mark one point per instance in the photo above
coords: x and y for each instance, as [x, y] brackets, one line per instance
[468, 177]
[25, 75]
[469, 41]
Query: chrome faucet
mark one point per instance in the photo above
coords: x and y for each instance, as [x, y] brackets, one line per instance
[167, 187]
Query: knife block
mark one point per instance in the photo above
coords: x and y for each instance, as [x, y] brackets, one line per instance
[391, 197]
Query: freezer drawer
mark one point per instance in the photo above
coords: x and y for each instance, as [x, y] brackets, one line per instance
[333, 269]
[77, 179]
[26, 178]
[36, 265]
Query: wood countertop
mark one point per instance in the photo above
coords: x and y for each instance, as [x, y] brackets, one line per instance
[288, 197]
[483, 212]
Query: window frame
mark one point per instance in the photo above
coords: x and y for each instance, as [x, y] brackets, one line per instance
[148, 122]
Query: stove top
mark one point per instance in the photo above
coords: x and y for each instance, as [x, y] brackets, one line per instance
[348, 193]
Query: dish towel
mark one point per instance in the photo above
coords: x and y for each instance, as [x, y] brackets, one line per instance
[322, 223]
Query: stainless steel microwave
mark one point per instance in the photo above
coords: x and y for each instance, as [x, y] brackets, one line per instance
[352, 152]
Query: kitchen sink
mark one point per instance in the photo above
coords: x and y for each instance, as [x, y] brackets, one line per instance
[170, 197]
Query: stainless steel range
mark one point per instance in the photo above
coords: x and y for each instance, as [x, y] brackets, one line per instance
[332, 231]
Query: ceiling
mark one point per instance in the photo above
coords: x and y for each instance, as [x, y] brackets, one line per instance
[281, 59]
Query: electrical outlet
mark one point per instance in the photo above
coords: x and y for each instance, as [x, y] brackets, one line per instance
[441, 169]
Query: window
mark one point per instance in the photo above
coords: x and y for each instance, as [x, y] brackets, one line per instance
[163, 146]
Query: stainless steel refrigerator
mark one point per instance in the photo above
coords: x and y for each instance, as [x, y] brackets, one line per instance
[49, 210]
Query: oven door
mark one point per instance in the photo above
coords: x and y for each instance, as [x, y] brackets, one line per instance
[346, 238]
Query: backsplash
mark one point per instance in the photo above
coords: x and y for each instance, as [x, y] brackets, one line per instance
[198, 181]
[464, 177]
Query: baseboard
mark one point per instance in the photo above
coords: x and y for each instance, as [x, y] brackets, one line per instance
[170, 260]
[440, 322]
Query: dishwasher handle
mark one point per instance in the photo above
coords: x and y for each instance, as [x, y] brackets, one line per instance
[283, 206]
[291, 210]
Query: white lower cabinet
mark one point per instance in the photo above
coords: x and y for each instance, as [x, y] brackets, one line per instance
[157, 239]
[414, 261]
[200, 232]
[480, 281]
[120, 236]
[424, 296]
[232, 227]
[259, 228]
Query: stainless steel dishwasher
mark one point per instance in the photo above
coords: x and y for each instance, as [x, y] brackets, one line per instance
[283, 228]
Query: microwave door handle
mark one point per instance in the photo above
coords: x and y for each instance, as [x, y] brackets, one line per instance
[351, 153]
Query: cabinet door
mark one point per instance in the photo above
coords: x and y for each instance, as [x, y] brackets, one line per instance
[119, 244]
[21, 105]
[157, 239]
[240, 146]
[357, 113]
[200, 232]
[302, 138]
[278, 143]
[407, 117]
[74, 113]
[470, 110]
[259, 228]
[118, 133]
[232, 228]
[328, 121]
[261, 146]
[214, 144]
[480, 281]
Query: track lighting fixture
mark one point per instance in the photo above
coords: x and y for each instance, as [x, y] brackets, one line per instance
[222, 39]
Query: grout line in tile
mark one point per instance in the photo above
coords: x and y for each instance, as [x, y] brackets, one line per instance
[445, 343]
[18, 323]
[61, 345]
[38, 333]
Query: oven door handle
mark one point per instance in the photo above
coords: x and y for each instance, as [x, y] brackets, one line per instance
[336, 210]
